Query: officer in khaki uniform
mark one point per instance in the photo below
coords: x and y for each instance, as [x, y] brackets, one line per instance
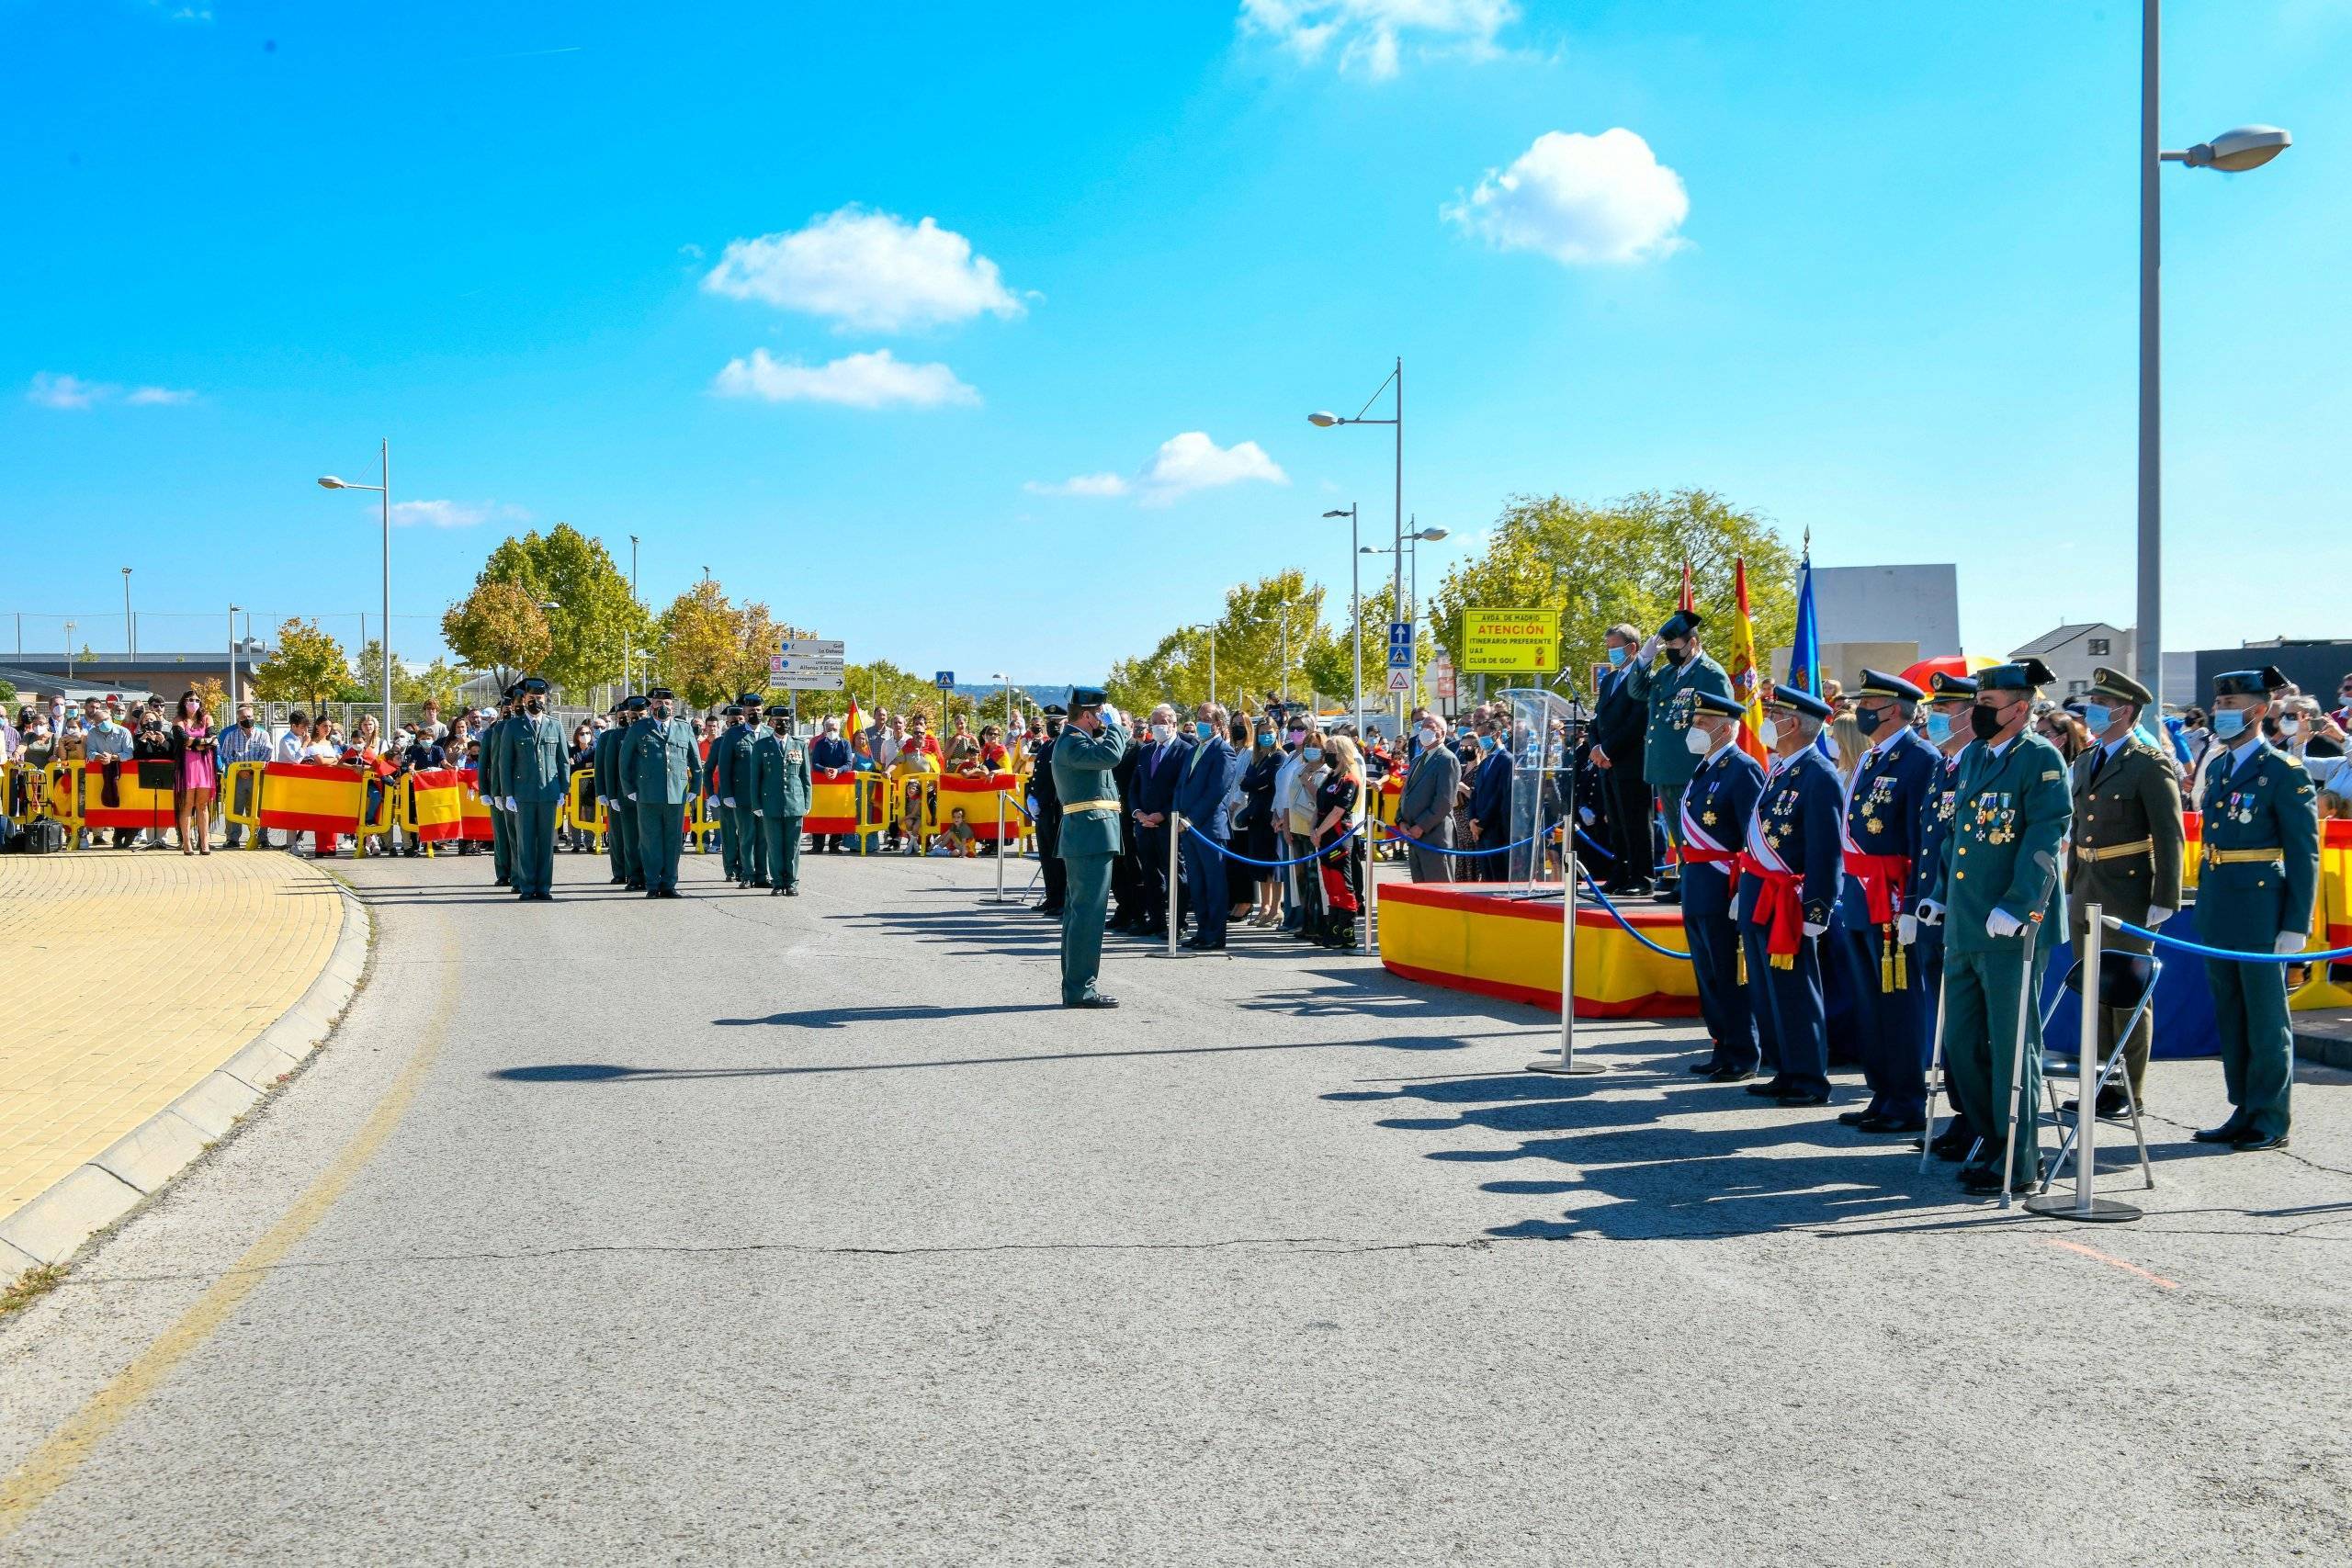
[2253, 895]
[779, 785]
[2126, 850]
[1089, 747]
[1998, 879]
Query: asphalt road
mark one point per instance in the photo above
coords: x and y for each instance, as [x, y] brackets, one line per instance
[741, 1228]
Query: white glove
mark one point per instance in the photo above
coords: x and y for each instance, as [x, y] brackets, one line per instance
[2157, 916]
[1930, 912]
[1907, 929]
[511, 804]
[2289, 941]
[757, 812]
[1110, 715]
[727, 801]
[2001, 923]
[1649, 650]
[632, 794]
[1583, 813]
[1812, 930]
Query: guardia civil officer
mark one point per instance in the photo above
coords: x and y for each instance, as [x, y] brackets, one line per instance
[2125, 855]
[620, 824]
[2253, 895]
[640, 717]
[1791, 874]
[1715, 806]
[1668, 664]
[1049, 815]
[1084, 755]
[778, 797]
[730, 756]
[535, 772]
[1885, 994]
[1946, 721]
[752, 863]
[663, 771]
[1998, 877]
[490, 782]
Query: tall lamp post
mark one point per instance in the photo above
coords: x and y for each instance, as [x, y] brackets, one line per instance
[68, 650]
[1007, 680]
[1355, 603]
[234, 610]
[1411, 613]
[129, 626]
[384, 453]
[2232, 151]
[1325, 420]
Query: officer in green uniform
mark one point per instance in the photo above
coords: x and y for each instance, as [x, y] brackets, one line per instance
[535, 771]
[2125, 855]
[1995, 880]
[1090, 746]
[723, 797]
[779, 799]
[2253, 895]
[1665, 667]
[619, 820]
[662, 768]
[753, 864]
[490, 781]
[640, 717]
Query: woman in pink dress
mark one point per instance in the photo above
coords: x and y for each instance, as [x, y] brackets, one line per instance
[192, 741]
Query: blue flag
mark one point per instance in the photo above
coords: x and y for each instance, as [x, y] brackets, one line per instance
[1805, 648]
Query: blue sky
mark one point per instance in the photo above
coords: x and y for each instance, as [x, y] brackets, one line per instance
[1867, 268]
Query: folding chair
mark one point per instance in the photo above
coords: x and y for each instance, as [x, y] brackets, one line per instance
[2126, 980]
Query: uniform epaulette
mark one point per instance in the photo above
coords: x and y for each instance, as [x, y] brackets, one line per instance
[2291, 760]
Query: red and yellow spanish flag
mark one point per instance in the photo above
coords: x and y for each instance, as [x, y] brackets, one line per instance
[136, 806]
[437, 805]
[833, 800]
[312, 797]
[473, 817]
[1745, 685]
[978, 799]
[855, 724]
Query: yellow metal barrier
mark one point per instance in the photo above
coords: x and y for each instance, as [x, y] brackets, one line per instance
[241, 798]
[583, 810]
[62, 797]
[700, 826]
[376, 825]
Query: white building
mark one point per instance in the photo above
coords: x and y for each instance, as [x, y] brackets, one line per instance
[2074, 650]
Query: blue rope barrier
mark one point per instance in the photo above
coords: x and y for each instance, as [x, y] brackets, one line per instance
[1594, 888]
[1251, 859]
[1603, 850]
[2327, 956]
[1390, 834]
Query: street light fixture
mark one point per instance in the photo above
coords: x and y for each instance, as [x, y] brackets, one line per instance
[1324, 419]
[329, 481]
[2232, 151]
[234, 611]
[129, 626]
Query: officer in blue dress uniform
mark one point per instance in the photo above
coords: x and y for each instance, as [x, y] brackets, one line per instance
[1868, 959]
[1714, 805]
[2253, 895]
[1948, 699]
[1790, 874]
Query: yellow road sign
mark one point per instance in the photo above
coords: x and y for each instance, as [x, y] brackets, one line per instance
[1511, 641]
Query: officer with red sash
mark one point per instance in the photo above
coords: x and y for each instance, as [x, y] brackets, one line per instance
[1714, 807]
[1792, 871]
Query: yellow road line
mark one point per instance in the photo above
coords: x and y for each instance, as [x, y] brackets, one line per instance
[52, 1464]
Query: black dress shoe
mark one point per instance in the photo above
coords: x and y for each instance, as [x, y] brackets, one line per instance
[1854, 1118]
[2251, 1141]
[637, 886]
[652, 892]
[2229, 1132]
[1705, 1069]
[1794, 1097]
[792, 893]
[1986, 1181]
[1669, 894]
[1945, 1146]
[1730, 1074]
[1876, 1123]
[1051, 911]
[1097, 1001]
[1771, 1088]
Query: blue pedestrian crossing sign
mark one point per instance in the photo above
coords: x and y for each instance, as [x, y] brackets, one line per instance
[944, 680]
[1400, 644]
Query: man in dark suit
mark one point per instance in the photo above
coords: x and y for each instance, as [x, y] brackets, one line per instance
[1200, 802]
[1127, 870]
[1049, 815]
[1425, 810]
[1490, 801]
[1621, 718]
[1156, 777]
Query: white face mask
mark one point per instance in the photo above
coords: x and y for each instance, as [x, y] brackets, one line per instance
[1162, 732]
[1699, 740]
[1768, 733]
[2291, 727]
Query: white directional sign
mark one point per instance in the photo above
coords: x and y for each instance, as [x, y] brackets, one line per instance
[808, 664]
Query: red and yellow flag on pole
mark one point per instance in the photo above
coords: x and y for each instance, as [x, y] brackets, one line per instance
[1746, 683]
[1688, 601]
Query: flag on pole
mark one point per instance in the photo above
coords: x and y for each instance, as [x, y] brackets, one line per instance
[1805, 648]
[855, 724]
[1688, 602]
[1744, 682]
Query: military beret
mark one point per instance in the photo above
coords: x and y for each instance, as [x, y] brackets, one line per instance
[1948, 686]
[1879, 683]
[2249, 683]
[1797, 699]
[2024, 675]
[1682, 622]
[1087, 697]
[2116, 684]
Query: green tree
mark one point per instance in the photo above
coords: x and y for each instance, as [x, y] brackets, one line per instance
[1623, 561]
[594, 612]
[499, 627]
[440, 681]
[697, 638]
[1262, 641]
[307, 666]
[7, 691]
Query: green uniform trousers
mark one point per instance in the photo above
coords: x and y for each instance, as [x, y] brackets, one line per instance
[659, 830]
[620, 829]
[1982, 992]
[2257, 1041]
[501, 845]
[730, 840]
[534, 851]
[753, 867]
[1083, 907]
[779, 851]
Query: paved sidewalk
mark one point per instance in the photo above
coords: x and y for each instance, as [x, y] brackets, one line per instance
[131, 978]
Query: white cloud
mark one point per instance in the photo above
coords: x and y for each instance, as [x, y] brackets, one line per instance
[1367, 36]
[1579, 198]
[873, 271]
[453, 514]
[861, 380]
[54, 391]
[1080, 484]
[1192, 461]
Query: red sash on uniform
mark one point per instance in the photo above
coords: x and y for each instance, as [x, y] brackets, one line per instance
[1780, 905]
[1883, 878]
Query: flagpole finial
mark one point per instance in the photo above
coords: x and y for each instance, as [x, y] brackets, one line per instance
[1808, 541]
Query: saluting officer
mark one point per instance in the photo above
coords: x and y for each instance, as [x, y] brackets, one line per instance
[2253, 895]
[1050, 816]
[535, 770]
[1885, 993]
[779, 788]
[1084, 755]
[1792, 871]
[1668, 664]
[1715, 806]
[490, 781]
[2127, 849]
[1997, 878]
[663, 771]
[1949, 700]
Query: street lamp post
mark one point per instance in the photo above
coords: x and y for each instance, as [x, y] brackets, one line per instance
[2247, 147]
[1000, 675]
[129, 626]
[329, 481]
[68, 650]
[1325, 420]
[233, 611]
[1355, 605]
[1411, 613]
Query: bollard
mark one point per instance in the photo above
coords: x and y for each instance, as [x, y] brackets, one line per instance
[1565, 1064]
[2085, 1205]
[1175, 837]
[1000, 846]
[1368, 907]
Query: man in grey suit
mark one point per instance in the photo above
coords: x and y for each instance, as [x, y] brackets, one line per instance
[1425, 811]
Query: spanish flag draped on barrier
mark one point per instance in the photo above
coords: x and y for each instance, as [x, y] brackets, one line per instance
[978, 798]
[135, 805]
[435, 812]
[832, 801]
[473, 813]
[312, 797]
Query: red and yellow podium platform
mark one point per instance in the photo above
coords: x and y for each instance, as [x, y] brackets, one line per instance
[1499, 944]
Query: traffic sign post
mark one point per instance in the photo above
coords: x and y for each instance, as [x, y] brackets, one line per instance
[944, 680]
[808, 664]
[1400, 680]
[1400, 647]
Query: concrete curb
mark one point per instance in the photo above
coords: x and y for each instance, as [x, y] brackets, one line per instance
[53, 1226]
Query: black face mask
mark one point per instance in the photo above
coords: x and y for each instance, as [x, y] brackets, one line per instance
[1867, 720]
[1983, 722]
[1675, 655]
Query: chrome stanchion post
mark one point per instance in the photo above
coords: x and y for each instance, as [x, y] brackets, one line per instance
[2028, 1004]
[1935, 1070]
[2085, 1205]
[1175, 838]
[1565, 1064]
[1000, 846]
